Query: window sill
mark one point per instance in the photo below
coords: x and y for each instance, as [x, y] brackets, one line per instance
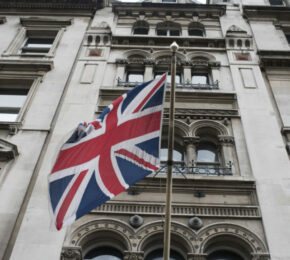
[27, 65]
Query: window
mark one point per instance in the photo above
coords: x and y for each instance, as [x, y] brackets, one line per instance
[168, 29]
[135, 77]
[276, 2]
[177, 77]
[39, 42]
[200, 78]
[288, 37]
[141, 28]
[168, 1]
[207, 153]
[196, 29]
[13, 94]
[158, 255]
[224, 255]
[104, 253]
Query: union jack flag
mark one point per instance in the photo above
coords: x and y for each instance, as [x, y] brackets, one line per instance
[103, 158]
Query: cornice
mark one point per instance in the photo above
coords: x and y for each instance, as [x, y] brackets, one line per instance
[187, 9]
[26, 65]
[87, 7]
[40, 21]
[274, 12]
[272, 58]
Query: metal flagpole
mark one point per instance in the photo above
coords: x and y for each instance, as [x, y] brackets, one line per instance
[166, 250]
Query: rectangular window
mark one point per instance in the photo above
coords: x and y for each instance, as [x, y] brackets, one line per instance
[276, 2]
[38, 41]
[168, 1]
[177, 77]
[288, 37]
[162, 32]
[200, 79]
[135, 77]
[13, 95]
[173, 32]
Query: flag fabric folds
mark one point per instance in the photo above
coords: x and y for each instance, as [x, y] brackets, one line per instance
[103, 158]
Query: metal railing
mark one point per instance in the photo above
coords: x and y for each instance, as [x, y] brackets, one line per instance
[214, 85]
[207, 169]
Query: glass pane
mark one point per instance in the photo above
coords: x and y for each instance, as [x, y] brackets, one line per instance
[158, 255]
[276, 2]
[168, 1]
[199, 79]
[224, 255]
[162, 32]
[39, 42]
[177, 156]
[134, 77]
[12, 100]
[8, 117]
[195, 32]
[141, 31]
[103, 253]
[207, 155]
[174, 32]
[288, 38]
[177, 77]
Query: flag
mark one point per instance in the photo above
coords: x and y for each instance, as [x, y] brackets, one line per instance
[103, 158]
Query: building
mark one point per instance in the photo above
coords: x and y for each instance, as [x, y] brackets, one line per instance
[63, 61]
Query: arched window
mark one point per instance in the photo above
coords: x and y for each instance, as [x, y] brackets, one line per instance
[168, 29]
[224, 255]
[196, 29]
[140, 28]
[208, 153]
[158, 255]
[103, 253]
[200, 76]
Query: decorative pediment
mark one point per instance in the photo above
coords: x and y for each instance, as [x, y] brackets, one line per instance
[235, 30]
[8, 151]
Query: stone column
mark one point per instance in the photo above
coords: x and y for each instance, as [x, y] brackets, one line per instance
[190, 144]
[227, 146]
[71, 253]
[187, 74]
[121, 66]
[128, 255]
[148, 73]
[215, 71]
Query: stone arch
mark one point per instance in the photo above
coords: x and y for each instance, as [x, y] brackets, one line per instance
[181, 236]
[198, 54]
[220, 128]
[138, 52]
[141, 24]
[240, 238]
[196, 26]
[117, 233]
[180, 127]
[159, 54]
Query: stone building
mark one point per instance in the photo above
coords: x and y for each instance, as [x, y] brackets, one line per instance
[63, 62]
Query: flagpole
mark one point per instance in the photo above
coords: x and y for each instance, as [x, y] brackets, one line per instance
[166, 250]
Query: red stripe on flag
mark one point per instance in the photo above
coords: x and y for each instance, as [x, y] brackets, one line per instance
[150, 94]
[68, 199]
[137, 159]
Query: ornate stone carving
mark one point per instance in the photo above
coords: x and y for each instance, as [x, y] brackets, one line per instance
[8, 151]
[133, 255]
[71, 253]
[195, 223]
[136, 221]
[226, 139]
[234, 30]
[191, 140]
[122, 61]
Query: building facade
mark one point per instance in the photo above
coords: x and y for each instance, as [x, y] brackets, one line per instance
[62, 62]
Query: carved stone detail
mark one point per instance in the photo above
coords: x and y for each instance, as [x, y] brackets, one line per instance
[226, 139]
[8, 151]
[71, 253]
[122, 61]
[235, 30]
[191, 140]
[133, 255]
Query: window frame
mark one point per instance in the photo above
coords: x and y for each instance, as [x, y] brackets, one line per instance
[19, 41]
[168, 27]
[282, 3]
[35, 81]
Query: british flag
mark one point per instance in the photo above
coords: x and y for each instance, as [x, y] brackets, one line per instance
[103, 158]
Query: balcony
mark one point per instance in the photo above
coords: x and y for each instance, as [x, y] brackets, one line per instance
[209, 86]
[206, 170]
